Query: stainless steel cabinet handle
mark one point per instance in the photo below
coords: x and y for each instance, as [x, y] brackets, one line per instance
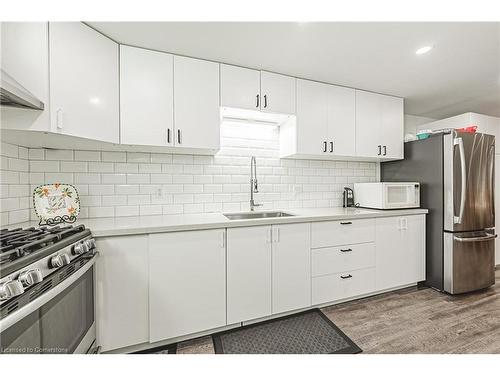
[460, 143]
[179, 136]
[488, 237]
[379, 149]
[385, 150]
[325, 146]
[331, 146]
[258, 101]
[59, 118]
[265, 101]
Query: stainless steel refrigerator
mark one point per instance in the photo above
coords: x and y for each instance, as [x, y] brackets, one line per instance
[456, 175]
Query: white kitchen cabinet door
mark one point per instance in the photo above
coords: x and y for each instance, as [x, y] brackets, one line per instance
[400, 251]
[278, 93]
[24, 56]
[146, 97]
[248, 273]
[84, 85]
[312, 117]
[341, 121]
[187, 283]
[379, 125]
[122, 309]
[392, 131]
[196, 103]
[240, 87]
[291, 267]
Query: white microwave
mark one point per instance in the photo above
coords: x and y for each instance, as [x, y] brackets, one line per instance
[387, 195]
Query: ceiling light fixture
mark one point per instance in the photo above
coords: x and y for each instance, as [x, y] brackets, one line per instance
[423, 50]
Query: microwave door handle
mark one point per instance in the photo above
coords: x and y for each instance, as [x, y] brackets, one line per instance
[459, 141]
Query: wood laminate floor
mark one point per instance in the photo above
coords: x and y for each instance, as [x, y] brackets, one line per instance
[412, 321]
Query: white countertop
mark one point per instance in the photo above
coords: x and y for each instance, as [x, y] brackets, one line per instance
[105, 227]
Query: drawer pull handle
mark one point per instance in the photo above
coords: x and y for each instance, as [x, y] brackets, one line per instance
[345, 250]
[346, 277]
[345, 222]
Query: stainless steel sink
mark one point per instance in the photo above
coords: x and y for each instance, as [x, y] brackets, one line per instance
[256, 215]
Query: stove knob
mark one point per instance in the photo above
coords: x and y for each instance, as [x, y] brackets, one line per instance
[10, 289]
[30, 277]
[90, 243]
[80, 248]
[59, 260]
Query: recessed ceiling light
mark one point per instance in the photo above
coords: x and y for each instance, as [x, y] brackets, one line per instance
[423, 50]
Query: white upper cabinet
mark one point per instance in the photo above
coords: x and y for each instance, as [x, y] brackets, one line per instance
[341, 121]
[260, 91]
[379, 126]
[278, 93]
[83, 82]
[240, 87]
[25, 57]
[196, 103]
[146, 97]
[312, 117]
[325, 122]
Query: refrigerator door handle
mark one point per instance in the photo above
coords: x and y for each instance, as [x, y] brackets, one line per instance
[459, 141]
[488, 237]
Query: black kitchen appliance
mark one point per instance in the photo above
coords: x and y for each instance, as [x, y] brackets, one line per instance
[348, 197]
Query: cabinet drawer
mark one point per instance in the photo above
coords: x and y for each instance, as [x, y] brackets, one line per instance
[335, 233]
[342, 285]
[337, 259]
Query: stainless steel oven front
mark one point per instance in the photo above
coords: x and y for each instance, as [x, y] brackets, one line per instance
[60, 320]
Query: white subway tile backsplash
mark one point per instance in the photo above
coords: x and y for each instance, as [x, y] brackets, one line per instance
[141, 183]
[126, 210]
[88, 155]
[87, 178]
[101, 189]
[126, 189]
[51, 154]
[101, 167]
[74, 166]
[36, 154]
[113, 156]
[44, 166]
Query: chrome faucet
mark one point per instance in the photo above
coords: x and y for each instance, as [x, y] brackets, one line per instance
[254, 187]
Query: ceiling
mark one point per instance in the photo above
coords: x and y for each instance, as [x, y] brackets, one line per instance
[460, 74]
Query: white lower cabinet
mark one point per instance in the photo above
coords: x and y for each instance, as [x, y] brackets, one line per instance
[122, 291]
[400, 250]
[187, 283]
[343, 285]
[291, 267]
[248, 273]
[268, 270]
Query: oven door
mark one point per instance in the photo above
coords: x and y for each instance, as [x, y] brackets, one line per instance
[401, 195]
[59, 321]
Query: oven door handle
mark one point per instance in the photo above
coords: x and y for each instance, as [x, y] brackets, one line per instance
[24, 311]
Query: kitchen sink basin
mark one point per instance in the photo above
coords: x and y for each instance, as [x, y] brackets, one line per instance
[256, 215]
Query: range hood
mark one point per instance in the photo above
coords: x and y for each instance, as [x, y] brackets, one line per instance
[12, 94]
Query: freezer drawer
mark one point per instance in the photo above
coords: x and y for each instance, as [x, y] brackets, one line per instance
[469, 261]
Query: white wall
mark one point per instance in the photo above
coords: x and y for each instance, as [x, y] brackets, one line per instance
[412, 122]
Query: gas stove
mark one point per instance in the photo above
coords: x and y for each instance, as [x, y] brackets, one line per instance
[29, 256]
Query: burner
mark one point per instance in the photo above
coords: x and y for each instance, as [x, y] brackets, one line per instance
[16, 243]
